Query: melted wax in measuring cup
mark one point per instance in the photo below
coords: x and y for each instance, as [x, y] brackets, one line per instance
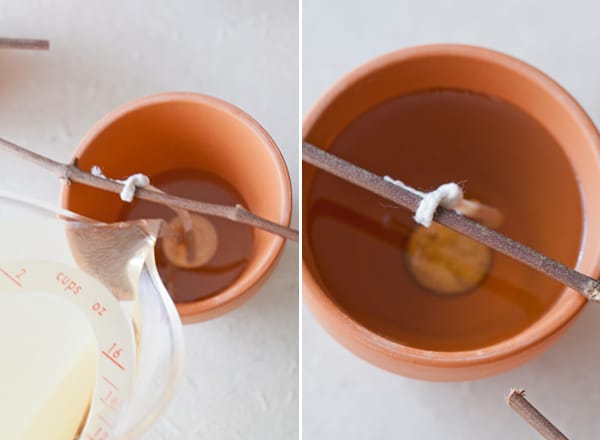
[91, 341]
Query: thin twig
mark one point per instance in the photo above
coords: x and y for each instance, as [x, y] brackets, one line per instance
[72, 173]
[517, 401]
[24, 43]
[588, 287]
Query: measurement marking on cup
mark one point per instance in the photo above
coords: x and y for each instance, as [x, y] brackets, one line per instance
[113, 360]
[112, 402]
[10, 277]
[100, 434]
[107, 380]
[99, 309]
[103, 420]
[108, 405]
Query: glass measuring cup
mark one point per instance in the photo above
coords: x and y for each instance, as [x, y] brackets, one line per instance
[108, 273]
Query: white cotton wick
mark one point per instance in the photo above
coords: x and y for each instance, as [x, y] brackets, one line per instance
[449, 195]
[97, 171]
[130, 185]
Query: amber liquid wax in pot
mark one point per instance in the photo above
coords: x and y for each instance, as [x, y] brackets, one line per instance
[234, 240]
[503, 157]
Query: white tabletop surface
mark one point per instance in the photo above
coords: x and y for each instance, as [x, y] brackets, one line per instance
[241, 370]
[343, 396]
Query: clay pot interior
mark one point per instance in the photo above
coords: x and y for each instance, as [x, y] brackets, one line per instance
[182, 131]
[486, 173]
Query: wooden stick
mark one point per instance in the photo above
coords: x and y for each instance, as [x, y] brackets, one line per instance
[71, 173]
[24, 43]
[588, 287]
[517, 401]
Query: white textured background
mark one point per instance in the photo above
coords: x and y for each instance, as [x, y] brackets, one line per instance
[241, 371]
[343, 396]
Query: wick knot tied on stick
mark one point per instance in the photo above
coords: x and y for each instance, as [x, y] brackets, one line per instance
[449, 195]
[130, 184]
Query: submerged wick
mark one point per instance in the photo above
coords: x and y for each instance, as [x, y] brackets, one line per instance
[183, 232]
[446, 262]
[192, 248]
[190, 240]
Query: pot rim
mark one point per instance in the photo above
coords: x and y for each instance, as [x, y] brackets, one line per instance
[554, 319]
[249, 279]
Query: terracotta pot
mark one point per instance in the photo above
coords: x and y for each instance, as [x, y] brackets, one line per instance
[186, 130]
[485, 72]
